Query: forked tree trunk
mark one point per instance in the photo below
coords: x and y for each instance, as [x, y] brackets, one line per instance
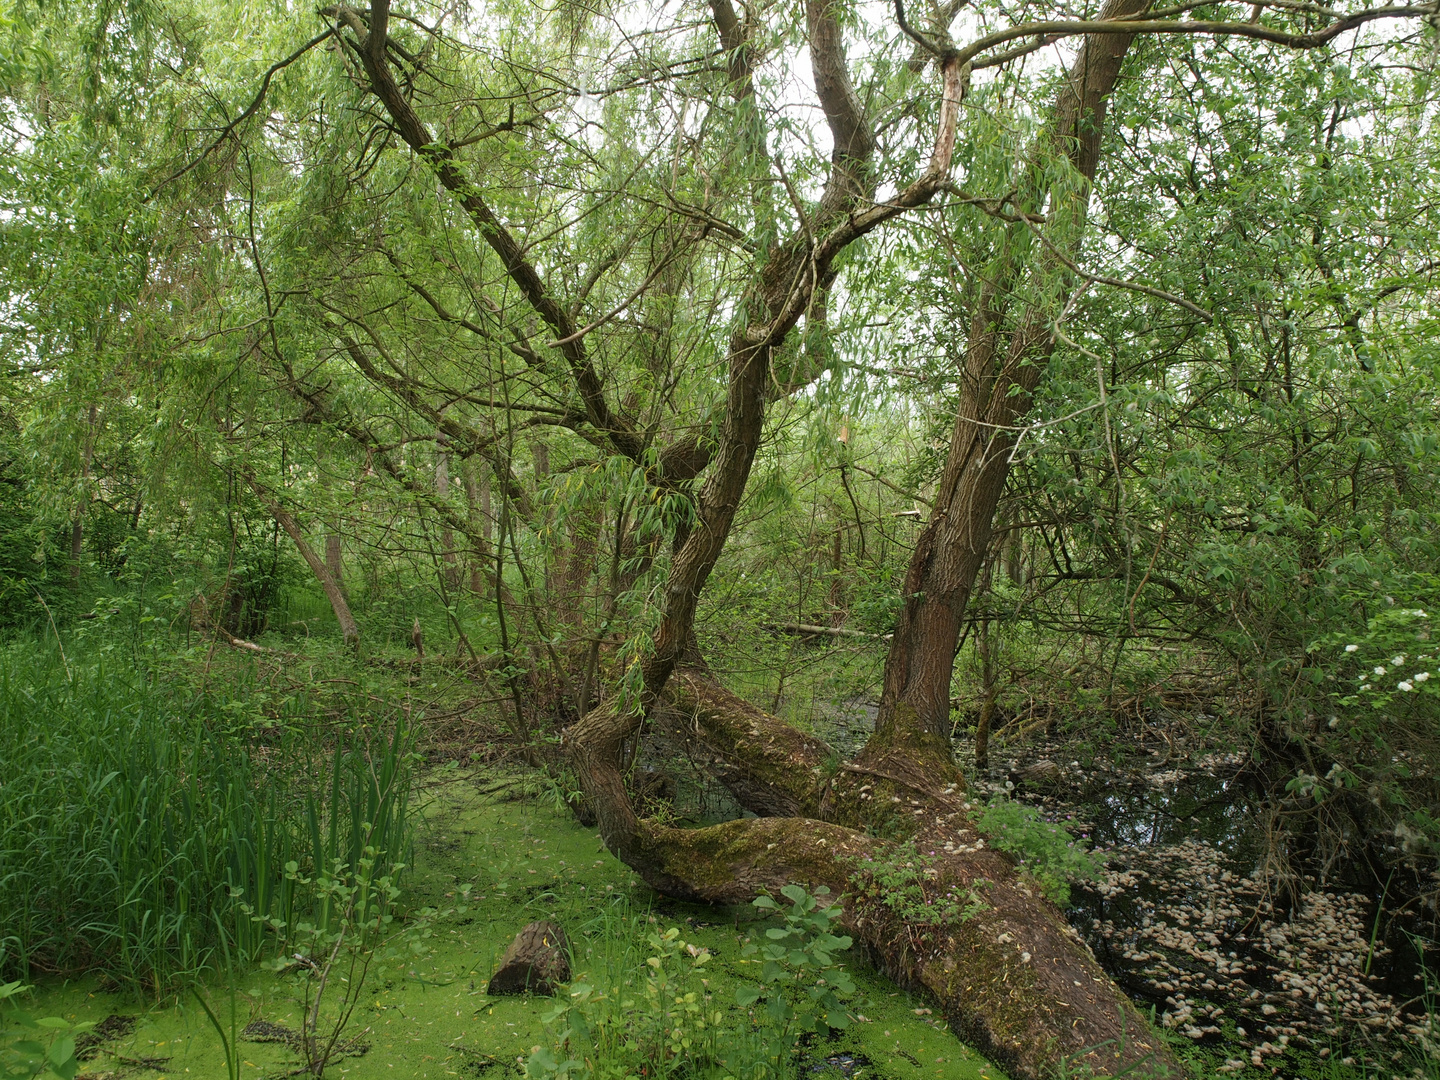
[1013, 977]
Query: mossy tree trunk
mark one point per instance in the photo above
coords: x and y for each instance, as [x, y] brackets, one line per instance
[1014, 977]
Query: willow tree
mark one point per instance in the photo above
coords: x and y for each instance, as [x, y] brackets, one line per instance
[652, 249]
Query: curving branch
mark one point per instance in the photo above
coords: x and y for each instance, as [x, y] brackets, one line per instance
[369, 44]
[914, 35]
[850, 132]
[1049, 32]
[249, 110]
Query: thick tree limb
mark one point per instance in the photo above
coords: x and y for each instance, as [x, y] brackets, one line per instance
[441, 158]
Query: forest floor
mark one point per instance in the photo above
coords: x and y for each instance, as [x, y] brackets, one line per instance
[499, 830]
[1332, 990]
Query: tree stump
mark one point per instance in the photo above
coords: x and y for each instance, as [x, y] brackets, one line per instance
[537, 961]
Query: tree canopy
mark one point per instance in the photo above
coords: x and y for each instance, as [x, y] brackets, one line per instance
[593, 339]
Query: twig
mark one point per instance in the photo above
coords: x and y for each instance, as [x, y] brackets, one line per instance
[60, 644]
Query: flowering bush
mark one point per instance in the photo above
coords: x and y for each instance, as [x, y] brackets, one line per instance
[1397, 647]
[1383, 698]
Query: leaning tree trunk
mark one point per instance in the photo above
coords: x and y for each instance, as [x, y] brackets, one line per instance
[1013, 976]
[1000, 373]
[349, 631]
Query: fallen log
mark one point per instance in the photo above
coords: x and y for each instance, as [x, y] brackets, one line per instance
[827, 631]
[1003, 966]
[537, 962]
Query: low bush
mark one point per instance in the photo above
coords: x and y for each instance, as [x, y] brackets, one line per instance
[661, 1018]
[1046, 850]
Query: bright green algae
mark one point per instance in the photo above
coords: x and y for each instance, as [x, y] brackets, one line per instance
[525, 858]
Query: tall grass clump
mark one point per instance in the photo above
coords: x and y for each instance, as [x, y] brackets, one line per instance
[142, 826]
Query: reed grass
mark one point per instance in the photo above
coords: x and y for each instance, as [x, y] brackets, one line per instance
[141, 825]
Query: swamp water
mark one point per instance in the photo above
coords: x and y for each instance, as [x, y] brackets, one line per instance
[1183, 919]
[525, 859]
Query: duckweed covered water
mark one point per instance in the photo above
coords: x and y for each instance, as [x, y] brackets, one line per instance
[525, 859]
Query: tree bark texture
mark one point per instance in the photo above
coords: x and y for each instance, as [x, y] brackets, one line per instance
[1015, 978]
[537, 962]
[1006, 354]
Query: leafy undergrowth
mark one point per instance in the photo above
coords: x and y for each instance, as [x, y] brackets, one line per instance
[525, 858]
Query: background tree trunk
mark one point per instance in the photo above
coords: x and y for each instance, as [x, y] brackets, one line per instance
[447, 534]
[349, 631]
[1000, 373]
[477, 494]
[77, 527]
[334, 557]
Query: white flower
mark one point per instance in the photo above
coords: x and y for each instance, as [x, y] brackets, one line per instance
[1405, 687]
[1421, 676]
[1334, 722]
[1352, 648]
[1398, 659]
[1380, 670]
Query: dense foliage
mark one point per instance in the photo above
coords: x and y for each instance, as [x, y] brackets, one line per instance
[263, 372]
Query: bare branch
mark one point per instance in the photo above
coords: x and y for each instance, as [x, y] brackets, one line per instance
[1054, 31]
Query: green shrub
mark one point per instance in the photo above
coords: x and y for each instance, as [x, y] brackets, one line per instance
[45, 1044]
[659, 1018]
[1048, 851]
[907, 881]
